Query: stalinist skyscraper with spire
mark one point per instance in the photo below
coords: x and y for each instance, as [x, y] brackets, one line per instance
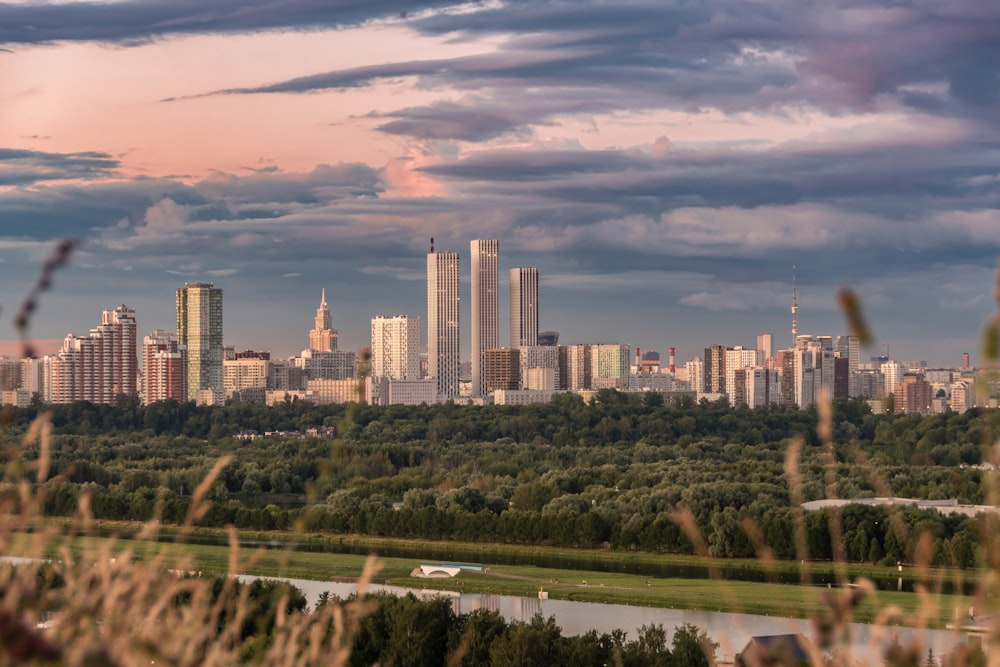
[323, 337]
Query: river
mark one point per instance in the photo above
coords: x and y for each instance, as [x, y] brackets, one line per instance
[730, 630]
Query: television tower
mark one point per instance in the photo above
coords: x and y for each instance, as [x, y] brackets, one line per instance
[795, 309]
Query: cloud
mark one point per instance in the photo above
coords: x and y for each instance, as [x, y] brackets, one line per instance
[20, 167]
[721, 54]
[137, 22]
[166, 215]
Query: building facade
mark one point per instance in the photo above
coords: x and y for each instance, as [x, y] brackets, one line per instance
[501, 369]
[396, 347]
[164, 364]
[523, 307]
[443, 324]
[323, 337]
[199, 330]
[98, 367]
[609, 366]
[485, 307]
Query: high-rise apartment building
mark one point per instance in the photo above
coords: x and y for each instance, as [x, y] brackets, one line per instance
[485, 307]
[539, 357]
[813, 371]
[245, 376]
[574, 367]
[10, 374]
[199, 330]
[738, 358]
[609, 366]
[396, 347]
[501, 369]
[715, 370]
[695, 372]
[912, 395]
[323, 337]
[443, 343]
[98, 367]
[523, 307]
[164, 364]
[119, 372]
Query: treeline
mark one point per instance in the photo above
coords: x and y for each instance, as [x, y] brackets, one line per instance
[613, 473]
[407, 632]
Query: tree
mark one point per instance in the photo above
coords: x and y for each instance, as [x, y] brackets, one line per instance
[691, 647]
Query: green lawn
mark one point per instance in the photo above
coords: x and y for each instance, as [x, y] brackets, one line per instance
[522, 580]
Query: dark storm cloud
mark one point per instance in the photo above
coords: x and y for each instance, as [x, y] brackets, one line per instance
[900, 178]
[24, 167]
[135, 21]
[55, 211]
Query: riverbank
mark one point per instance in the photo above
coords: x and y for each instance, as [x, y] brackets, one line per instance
[277, 558]
[600, 560]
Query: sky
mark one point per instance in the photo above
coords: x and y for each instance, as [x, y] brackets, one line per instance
[664, 164]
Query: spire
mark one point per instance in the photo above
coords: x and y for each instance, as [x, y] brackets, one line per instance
[323, 337]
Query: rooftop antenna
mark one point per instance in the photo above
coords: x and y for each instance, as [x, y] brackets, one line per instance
[432, 244]
[795, 309]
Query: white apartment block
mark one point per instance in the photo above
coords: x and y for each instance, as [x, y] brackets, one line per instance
[396, 347]
[521, 396]
[540, 357]
[340, 391]
[338, 365]
[410, 392]
[577, 367]
[738, 358]
[238, 375]
[539, 379]
[762, 386]
[963, 395]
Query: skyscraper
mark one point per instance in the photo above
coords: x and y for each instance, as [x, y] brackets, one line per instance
[323, 338]
[443, 347]
[765, 345]
[485, 309]
[523, 307]
[199, 329]
[396, 347]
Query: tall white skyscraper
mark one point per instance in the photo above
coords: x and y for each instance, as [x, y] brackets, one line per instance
[523, 307]
[485, 309]
[443, 347]
[396, 347]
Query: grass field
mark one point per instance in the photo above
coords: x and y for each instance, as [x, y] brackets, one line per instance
[771, 599]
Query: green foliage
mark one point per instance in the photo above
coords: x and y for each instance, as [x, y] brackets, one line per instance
[566, 473]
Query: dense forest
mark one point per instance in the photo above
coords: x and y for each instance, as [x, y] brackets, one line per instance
[612, 473]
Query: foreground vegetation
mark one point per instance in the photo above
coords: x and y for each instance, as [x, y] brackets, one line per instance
[633, 479]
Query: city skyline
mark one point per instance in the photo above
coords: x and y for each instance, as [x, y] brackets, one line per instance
[664, 192]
